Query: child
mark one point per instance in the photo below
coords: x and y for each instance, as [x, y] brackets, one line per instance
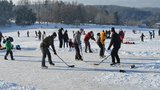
[70, 44]
[9, 47]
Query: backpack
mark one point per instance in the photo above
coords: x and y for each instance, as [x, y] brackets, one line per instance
[18, 47]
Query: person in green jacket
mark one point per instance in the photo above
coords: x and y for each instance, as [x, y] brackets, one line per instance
[9, 47]
[48, 41]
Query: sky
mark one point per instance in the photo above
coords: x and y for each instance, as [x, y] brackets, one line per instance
[128, 3]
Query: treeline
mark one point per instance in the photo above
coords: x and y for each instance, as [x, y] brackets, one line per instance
[51, 11]
[72, 13]
[134, 16]
[6, 12]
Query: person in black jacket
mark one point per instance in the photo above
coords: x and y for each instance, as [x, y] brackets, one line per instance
[48, 41]
[142, 37]
[116, 42]
[39, 35]
[60, 37]
[66, 38]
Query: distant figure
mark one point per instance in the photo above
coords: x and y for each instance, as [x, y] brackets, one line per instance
[65, 38]
[134, 31]
[82, 31]
[39, 35]
[71, 45]
[1, 36]
[43, 35]
[18, 34]
[116, 42]
[60, 37]
[159, 32]
[73, 34]
[150, 34]
[142, 37]
[27, 33]
[36, 34]
[9, 48]
[153, 34]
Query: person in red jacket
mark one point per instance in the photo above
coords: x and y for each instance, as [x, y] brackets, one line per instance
[86, 40]
[121, 35]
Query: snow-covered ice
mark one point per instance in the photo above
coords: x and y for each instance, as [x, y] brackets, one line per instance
[25, 72]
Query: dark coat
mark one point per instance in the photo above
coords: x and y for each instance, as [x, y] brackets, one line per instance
[60, 34]
[65, 37]
[48, 41]
[115, 41]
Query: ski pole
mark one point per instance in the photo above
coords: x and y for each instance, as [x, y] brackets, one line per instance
[102, 60]
[65, 62]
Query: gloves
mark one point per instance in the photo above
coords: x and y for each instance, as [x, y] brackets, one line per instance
[55, 53]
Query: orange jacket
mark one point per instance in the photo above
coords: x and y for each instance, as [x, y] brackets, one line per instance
[102, 37]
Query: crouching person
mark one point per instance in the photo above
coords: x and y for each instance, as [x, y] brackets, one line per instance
[48, 41]
[9, 48]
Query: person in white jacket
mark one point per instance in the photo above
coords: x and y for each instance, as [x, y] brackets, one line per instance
[77, 43]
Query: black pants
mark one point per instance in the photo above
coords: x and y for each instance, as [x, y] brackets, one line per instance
[60, 43]
[87, 45]
[66, 44]
[77, 56]
[39, 37]
[45, 51]
[9, 52]
[114, 54]
[102, 49]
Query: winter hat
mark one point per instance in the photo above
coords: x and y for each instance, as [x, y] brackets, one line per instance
[112, 29]
[98, 34]
[54, 34]
[81, 29]
[10, 39]
[91, 31]
[61, 29]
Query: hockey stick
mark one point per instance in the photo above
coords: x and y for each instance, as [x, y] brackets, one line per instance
[102, 60]
[65, 62]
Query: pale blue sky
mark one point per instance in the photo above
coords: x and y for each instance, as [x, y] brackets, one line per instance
[129, 3]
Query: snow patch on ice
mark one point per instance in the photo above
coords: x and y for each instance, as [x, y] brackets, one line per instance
[134, 79]
[12, 86]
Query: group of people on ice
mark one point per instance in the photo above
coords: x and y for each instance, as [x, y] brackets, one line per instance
[115, 40]
[151, 35]
[64, 40]
[38, 34]
[101, 37]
